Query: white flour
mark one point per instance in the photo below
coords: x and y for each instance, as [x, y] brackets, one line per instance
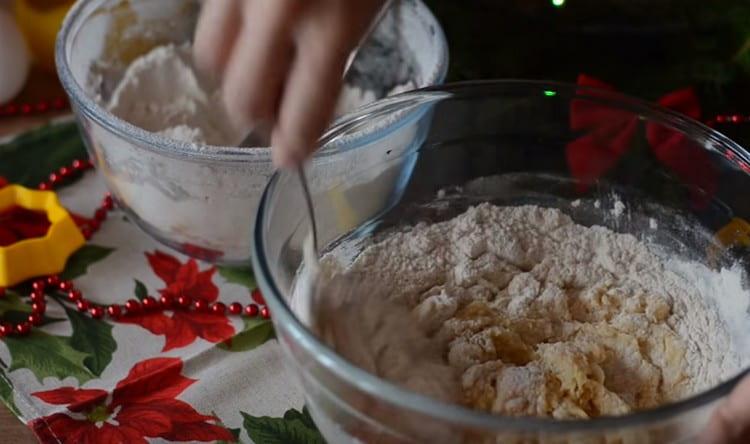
[541, 316]
[160, 92]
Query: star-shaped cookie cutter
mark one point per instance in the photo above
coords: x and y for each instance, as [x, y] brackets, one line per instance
[39, 256]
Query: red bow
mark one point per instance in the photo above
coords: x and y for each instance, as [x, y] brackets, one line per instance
[610, 134]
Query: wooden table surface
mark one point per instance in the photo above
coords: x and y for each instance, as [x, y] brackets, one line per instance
[11, 429]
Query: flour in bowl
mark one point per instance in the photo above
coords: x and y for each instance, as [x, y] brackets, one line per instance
[540, 316]
[161, 92]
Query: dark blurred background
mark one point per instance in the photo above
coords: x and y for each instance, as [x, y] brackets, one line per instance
[645, 48]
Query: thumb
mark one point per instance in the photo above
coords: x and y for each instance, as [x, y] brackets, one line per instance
[730, 422]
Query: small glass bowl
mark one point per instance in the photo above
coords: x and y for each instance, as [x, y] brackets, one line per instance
[507, 142]
[186, 196]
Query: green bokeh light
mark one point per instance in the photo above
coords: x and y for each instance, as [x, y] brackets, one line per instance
[550, 93]
[558, 3]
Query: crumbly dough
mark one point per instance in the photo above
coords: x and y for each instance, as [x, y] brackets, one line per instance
[540, 316]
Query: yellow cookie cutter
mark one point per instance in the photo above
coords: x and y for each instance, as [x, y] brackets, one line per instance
[42, 255]
[735, 233]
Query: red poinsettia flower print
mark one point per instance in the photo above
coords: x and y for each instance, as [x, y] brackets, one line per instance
[689, 161]
[183, 279]
[141, 406]
[609, 134]
[182, 328]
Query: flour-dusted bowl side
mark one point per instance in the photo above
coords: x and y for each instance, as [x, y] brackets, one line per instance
[198, 199]
[511, 143]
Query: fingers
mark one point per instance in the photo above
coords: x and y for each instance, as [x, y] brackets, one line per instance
[260, 61]
[730, 422]
[310, 96]
[215, 35]
[281, 63]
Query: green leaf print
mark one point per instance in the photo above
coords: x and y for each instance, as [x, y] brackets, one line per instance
[93, 337]
[256, 332]
[12, 302]
[28, 159]
[13, 309]
[235, 432]
[6, 394]
[294, 428]
[80, 261]
[47, 355]
[239, 275]
[303, 416]
[140, 290]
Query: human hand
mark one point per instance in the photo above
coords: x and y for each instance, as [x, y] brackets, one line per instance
[730, 423]
[281, 63]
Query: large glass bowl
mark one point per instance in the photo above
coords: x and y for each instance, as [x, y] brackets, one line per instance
[190, 197]
[507, 142]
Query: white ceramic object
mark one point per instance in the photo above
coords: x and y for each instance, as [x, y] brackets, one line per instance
[14, 58]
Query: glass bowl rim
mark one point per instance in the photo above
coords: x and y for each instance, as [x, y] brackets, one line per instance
[454, 413]
[163, 145]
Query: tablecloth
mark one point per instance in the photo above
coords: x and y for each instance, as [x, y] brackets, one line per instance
[159, 377]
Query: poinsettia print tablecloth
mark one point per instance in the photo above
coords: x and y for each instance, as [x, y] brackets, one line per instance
[159, 377]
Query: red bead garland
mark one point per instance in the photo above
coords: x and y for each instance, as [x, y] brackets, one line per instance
[251, 310]
[67, 174]
[35, 319]
[149, 303]
[218, 308]
[200, 305]
[82, 305]
[166, 301]
[114, 311]
[26, 109]
[23, 328]
[96, 312]
[133, 307]
[723, 119]
[235, 308]
[74, 295]
[49, 284]
[38, 307]
[6, 329]
[65, 286]
[39, 285]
